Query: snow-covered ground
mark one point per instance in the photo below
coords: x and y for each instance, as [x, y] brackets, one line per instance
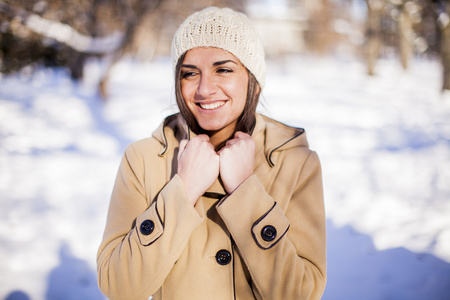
[384, 143]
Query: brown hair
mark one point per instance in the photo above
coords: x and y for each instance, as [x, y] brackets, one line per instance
[246, 121]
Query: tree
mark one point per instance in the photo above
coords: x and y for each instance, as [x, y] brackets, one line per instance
[444, 25]
[405, 32]
[56, 33]
[150, 26]
[373, 33]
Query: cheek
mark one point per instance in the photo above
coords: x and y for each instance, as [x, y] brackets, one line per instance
[239, 91]
[187, 91]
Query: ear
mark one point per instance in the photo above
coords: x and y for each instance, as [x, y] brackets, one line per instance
[258, 88]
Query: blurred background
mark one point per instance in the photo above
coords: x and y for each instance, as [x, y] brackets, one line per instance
[67, 33]
[368, 79]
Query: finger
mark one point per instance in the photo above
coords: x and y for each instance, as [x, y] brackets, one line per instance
[241, 135]
[221, 151]
[231, 142]
[202, 137]
[183, 145]
[181, 148]
[205, 145]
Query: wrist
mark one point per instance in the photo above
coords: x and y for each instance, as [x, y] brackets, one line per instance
[192, 194]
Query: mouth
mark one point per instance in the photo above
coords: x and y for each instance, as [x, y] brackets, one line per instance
[211, 106]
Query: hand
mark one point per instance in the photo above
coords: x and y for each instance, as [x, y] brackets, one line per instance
[198, 166]
[237, 160]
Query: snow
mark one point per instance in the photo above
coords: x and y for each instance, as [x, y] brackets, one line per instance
[384, 143]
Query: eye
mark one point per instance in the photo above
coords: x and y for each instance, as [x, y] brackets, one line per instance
[224, 71]
[188, 74]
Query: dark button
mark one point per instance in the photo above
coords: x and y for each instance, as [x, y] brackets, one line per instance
[268, 233]
[147, 227]
[223, 257]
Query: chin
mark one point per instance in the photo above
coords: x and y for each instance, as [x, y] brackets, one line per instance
[212, 127]
[209, 124]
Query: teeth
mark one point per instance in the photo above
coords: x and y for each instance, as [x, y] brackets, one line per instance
[212, 105]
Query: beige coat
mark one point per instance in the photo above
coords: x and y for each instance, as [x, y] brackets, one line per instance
[266, 240]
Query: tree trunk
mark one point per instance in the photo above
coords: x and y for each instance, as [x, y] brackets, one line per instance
[405, 34]
[445, 47]
[373, 33]
[132, 19]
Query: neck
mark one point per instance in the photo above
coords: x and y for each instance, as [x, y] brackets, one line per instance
[218, 138]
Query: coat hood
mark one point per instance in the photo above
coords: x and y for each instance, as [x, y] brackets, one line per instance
[276, 136]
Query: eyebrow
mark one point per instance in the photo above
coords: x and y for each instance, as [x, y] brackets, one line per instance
[189, 66]
[222, 62]
[217, 63]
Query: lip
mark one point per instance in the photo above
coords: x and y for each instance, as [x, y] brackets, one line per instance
[220, 104]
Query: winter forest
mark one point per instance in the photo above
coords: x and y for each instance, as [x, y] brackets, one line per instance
[369, 80]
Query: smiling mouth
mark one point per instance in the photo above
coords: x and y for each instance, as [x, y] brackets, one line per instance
[211, 106]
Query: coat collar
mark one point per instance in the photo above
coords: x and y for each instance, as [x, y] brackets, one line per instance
[277, 136]
[268, 133]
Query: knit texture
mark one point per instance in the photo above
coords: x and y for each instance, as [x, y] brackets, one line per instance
[226, 29]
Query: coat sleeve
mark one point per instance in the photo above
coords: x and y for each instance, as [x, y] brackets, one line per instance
[284, 248]
[143, 237]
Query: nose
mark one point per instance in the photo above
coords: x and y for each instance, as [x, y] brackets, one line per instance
[206, 86]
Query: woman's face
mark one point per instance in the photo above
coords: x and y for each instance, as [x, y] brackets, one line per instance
[214, 86]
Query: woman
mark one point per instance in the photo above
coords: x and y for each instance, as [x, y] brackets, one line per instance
[221, 202]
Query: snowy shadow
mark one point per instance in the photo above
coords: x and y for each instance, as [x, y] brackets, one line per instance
[357, 270]
[96, 106]
[17, 295]
[401, 137]
[72, 279]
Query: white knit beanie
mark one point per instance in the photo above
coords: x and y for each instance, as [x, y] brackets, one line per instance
[226, 29]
